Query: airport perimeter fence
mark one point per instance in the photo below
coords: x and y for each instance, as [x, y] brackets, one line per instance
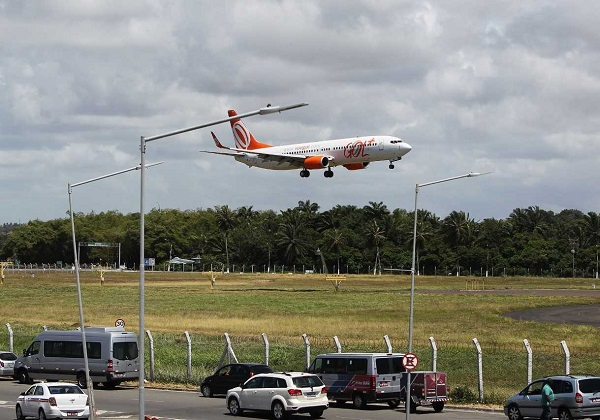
[487, 371]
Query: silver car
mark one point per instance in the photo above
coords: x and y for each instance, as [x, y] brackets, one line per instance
[575, 397]
[7, 363]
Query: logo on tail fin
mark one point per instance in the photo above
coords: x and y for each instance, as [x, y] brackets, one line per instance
[243, 137]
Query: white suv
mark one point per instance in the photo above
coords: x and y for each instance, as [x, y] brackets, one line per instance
[280, 393]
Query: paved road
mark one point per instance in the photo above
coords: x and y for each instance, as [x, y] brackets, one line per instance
[122, 403]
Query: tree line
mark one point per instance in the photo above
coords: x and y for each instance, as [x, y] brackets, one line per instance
[350, 239]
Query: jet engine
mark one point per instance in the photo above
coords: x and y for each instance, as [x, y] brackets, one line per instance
[316, 162]
[356, 166]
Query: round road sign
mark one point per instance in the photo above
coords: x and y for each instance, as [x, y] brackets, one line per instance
[120, 323]
[410, 361]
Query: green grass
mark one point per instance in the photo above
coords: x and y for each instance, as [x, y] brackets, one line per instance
[286, 306]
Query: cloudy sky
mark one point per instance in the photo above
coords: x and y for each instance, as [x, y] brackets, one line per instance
[510, 87]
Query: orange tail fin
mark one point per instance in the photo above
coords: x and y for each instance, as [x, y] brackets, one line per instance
[243, 137]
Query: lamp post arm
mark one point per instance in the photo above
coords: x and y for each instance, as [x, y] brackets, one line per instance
[135, 168]
[261, 111]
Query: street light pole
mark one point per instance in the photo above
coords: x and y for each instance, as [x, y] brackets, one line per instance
[88, 381]
[143, 140]
[412, 274]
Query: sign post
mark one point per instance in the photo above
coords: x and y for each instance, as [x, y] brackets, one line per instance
[410, 361]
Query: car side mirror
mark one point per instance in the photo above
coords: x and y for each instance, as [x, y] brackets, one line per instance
[24, 352]
[22, 393]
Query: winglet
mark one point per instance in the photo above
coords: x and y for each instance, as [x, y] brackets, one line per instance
[217, 142]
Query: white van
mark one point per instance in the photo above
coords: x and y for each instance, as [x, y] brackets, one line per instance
[55, 355]
[361, 377]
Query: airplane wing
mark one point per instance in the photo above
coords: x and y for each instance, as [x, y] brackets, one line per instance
[294, 160]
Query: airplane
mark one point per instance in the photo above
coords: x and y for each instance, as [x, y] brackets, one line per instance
[352, 153]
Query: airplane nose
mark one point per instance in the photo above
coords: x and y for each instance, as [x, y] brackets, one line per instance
[405, 147]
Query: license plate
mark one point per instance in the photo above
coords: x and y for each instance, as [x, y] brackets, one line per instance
[310, 394]
[72, 413]
[595, 399]
[118, 375]
[384, 383]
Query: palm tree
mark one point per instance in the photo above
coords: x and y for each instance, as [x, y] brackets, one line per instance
[458, 229]
[335, 241]
[375, 211]
[375, 236]
[308, 208]
[291, 236]
[226, 221]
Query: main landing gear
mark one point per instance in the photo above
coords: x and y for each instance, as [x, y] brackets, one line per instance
[304, 173]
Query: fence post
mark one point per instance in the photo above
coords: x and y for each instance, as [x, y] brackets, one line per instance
[228, 351]
[266, 341]
[189, 355]
[529, 359]
[307, 349]
[433, 354]
[151, 342]
[479, 368]
[388, 343]
[10, 337]
[336, 340]
[567, 357]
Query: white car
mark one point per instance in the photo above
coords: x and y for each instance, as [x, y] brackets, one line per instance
[281, 394]
[7, 363]
[48, 400]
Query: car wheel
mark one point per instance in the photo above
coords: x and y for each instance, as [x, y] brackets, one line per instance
[234, 406]
[394, 403]
[41, 415]
[23, 376]
[564, 414]
[278, 411]
[358, 400]
[206, 391]
[81, 380]
[514, 413]
[316, 414]
[20, 415]
[110, 384]
[438, 406]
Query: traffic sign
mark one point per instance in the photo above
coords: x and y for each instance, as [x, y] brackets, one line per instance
[120, 323]
[410, 361]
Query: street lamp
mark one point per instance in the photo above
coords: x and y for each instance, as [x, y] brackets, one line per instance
[143, 140]
[412, 273]
[79, 300]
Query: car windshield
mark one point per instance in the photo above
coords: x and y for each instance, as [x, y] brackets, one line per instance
[8, 356]
[588, 386]
[307, 381]
[64, 389]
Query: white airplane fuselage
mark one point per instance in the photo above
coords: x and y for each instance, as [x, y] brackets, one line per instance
[340, 152]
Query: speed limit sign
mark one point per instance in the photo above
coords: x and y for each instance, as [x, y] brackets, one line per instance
[120, 323]
[410, 361]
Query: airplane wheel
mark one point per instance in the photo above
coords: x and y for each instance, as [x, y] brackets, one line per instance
[304, 173]
[391, 166]
[328, 173]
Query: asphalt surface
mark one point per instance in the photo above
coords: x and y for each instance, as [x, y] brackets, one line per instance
[575, 315]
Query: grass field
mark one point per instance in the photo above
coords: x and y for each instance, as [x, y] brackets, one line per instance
[285, 306]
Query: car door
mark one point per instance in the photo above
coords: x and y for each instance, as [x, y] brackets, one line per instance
[530, 402]
[249, 392]
[263, 395]
[26, 403]
[563, 395]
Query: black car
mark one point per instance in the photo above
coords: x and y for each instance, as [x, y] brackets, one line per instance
[230, 376]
